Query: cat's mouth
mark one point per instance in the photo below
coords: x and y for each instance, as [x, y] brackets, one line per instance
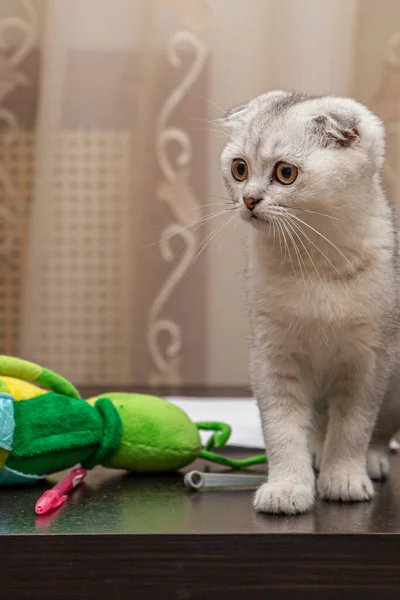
[263, 217]
[263, 214]
[247, 216]
[254, 218]
[270, 214]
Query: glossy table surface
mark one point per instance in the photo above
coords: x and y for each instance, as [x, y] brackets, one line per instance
[113, 502]
[125, 536]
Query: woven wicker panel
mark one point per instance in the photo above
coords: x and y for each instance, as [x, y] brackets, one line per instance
[81, 281]
[16, 189]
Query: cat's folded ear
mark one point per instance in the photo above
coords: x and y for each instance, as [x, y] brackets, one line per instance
[233, 116]
[335, 130]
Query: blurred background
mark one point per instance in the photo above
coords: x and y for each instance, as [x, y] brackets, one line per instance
[109, 166]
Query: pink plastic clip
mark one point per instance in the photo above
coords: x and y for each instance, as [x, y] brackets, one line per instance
[58, 494]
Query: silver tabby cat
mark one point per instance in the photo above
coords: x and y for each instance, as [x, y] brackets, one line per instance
[323, 293]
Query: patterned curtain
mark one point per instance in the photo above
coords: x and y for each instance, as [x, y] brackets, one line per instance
[113, 269]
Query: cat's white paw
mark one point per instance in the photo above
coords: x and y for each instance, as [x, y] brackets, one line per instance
[345, 486]
[394, 445]
[284, 498]
[378, 465]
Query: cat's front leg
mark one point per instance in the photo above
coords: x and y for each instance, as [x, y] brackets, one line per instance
[285, 404]
[386, 427]
[353, 407]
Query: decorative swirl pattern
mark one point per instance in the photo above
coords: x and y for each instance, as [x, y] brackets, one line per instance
[387, 105]
[11, 56]
[392, 51]
[175, 191]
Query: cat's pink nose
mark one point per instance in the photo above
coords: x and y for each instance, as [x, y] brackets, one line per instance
[251, 202]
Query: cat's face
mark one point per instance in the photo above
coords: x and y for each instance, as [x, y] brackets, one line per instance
[291, 151]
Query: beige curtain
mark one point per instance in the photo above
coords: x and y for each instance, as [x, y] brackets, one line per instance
[108, 160]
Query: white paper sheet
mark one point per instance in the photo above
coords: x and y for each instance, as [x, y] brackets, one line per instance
[240, 413]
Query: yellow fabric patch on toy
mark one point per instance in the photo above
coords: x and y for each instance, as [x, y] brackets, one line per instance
[20, 390]
[3, 457]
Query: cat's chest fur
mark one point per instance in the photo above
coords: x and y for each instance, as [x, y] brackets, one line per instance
[324, 319]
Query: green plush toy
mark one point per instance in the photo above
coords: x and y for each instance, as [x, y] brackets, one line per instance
[43, 431]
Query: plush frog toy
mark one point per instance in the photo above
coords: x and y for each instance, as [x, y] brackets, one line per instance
[46, 427]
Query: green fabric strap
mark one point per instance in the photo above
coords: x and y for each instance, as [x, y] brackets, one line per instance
[230, 462]
[28, 371]
[57, 384]
[221, 434]
[112, 433]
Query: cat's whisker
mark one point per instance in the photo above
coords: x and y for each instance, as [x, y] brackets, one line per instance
[317, 248]
[207, 241]
[219, 241]
[211, 216]
[205, 190]
[323, 237]
[277, 235]
[208, 122]
[204, 222]
[335, 221]
[279, 239]
[292, 225]
[229, 201]
[201, 245]
[285, 242]
[293, 229]
[228, 94]
[205, 218]
[208, 205]
[298, 255]
[279, 229]
[208, 129]
[314, 212]
[274, 231]
[197, 224]
[211, 102]
[300, 260]
[289, 253]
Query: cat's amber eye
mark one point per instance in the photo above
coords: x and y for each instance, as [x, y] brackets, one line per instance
[240, 170]
[285, 173]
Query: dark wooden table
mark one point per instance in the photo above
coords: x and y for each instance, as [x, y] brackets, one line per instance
[122, 536]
